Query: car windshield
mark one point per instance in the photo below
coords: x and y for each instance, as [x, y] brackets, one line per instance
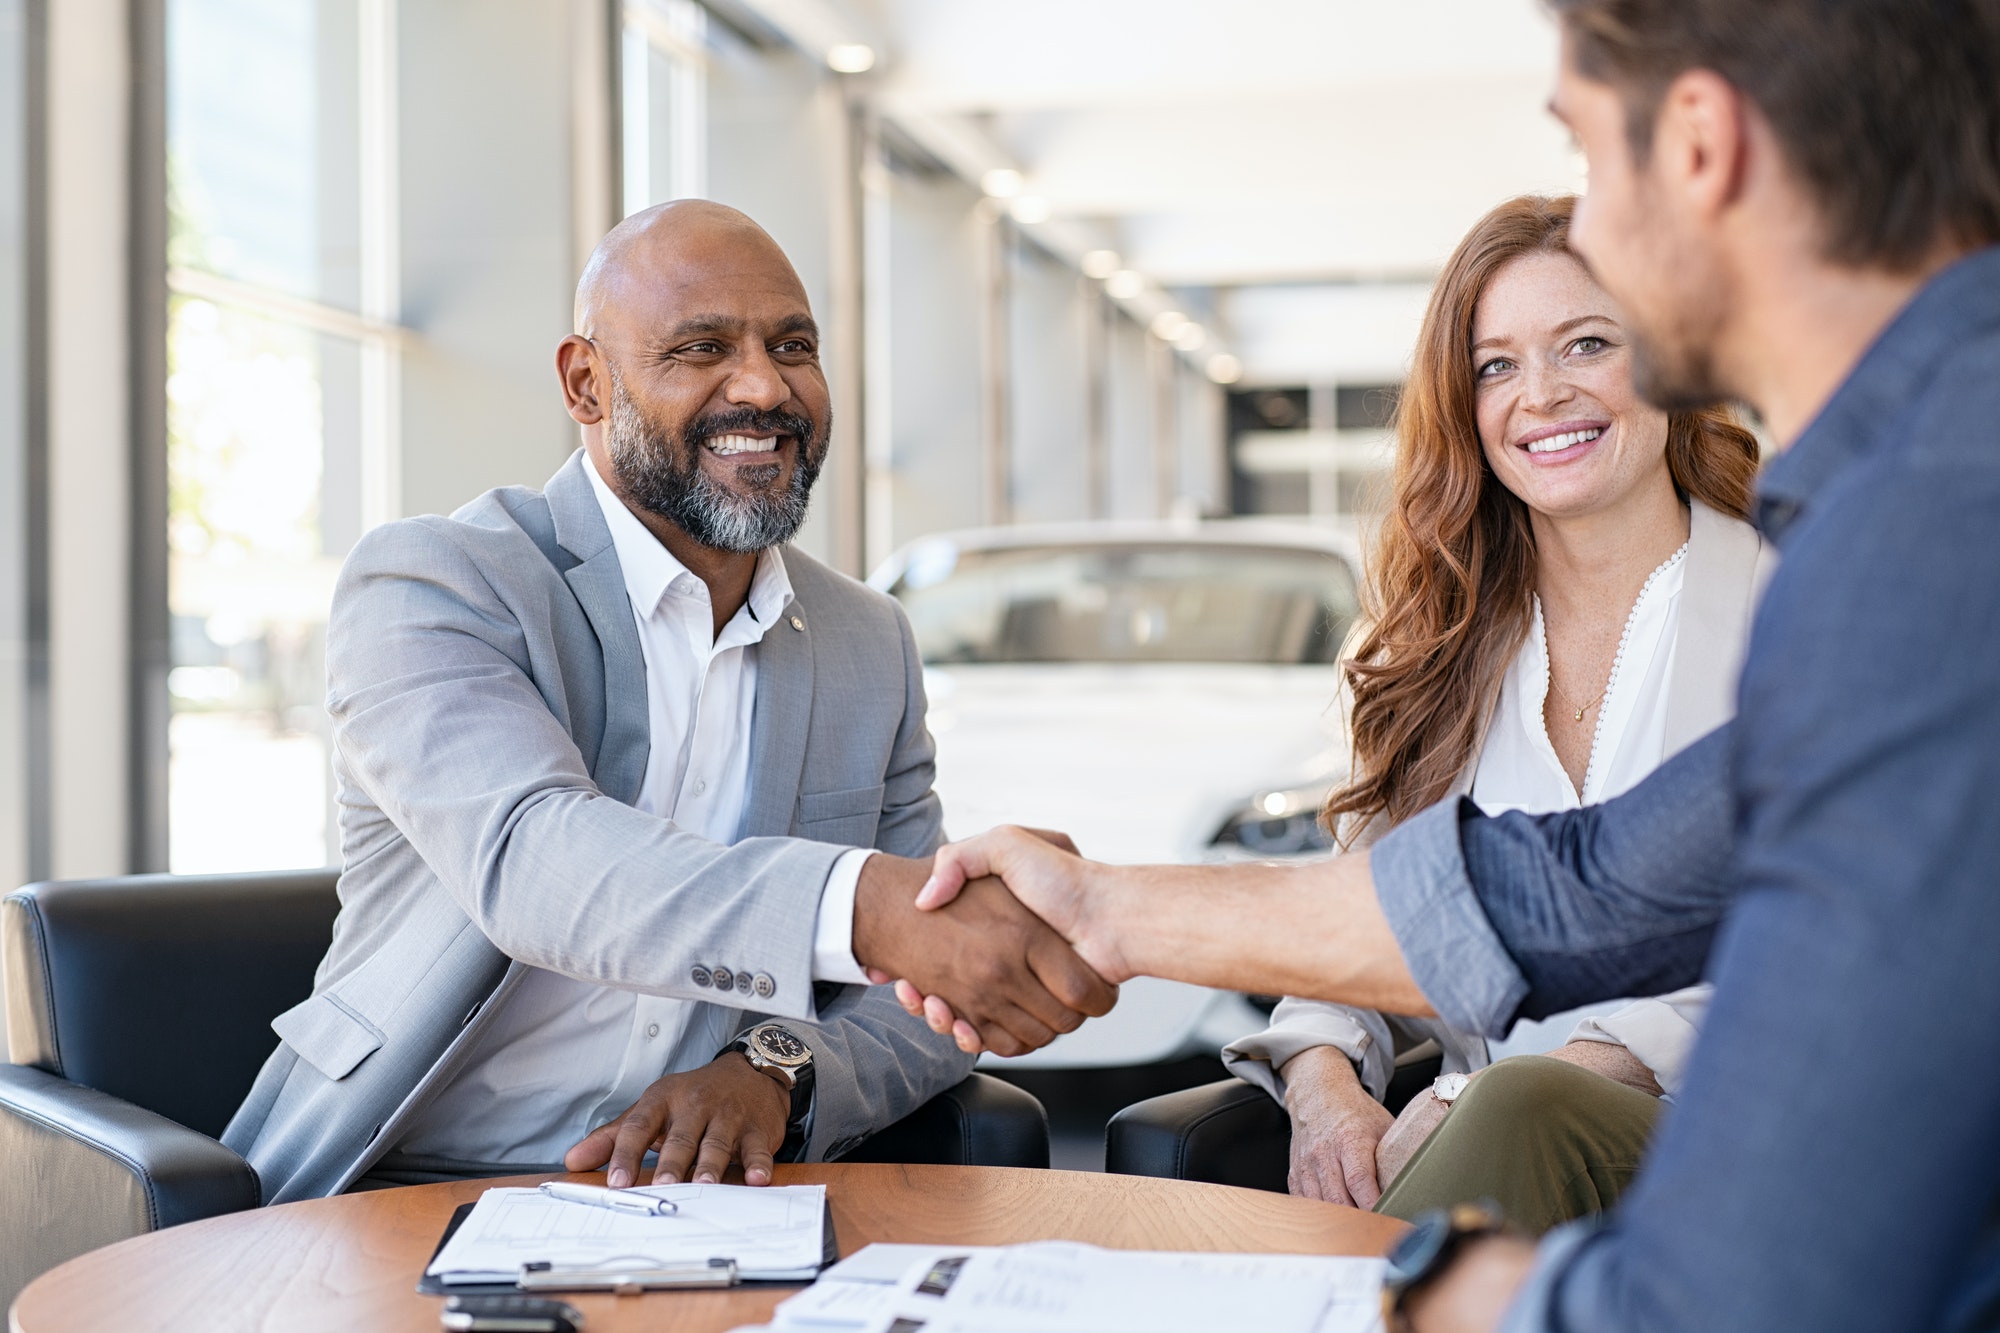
[1127, 602]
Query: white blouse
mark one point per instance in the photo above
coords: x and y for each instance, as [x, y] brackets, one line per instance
[1518, 770]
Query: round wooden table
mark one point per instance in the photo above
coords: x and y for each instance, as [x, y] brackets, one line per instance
[352, 1262]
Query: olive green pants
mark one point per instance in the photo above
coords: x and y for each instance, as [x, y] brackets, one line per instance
[1545, 1140]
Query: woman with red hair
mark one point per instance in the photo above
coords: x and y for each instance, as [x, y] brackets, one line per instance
[1559, 599]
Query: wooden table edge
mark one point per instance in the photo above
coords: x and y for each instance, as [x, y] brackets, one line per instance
[398, 1228]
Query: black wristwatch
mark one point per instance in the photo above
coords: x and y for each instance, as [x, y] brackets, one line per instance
[779, 1052]
[1427, 1249]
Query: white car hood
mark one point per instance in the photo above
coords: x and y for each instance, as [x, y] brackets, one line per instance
[1138, 763]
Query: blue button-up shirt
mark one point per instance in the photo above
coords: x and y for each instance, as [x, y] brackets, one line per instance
[1832, 859]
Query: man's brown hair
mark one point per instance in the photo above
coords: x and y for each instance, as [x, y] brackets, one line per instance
[1888, 111]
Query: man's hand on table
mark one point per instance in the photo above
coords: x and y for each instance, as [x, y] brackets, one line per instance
[1011, 982]
[1336, 1126]
[700, 1121]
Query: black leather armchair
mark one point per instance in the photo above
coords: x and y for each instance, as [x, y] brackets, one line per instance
[138, 1014]
[1227, 1133]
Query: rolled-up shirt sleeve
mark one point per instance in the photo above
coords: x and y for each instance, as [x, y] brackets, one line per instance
[1425, 888]
[1529, 915]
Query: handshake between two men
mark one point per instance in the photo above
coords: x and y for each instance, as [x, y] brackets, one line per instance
[1008, 939]
[965, 954]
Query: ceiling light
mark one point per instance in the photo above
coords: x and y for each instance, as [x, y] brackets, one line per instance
[1001, 182]
[1100, 264]
[850, 58]
[1167, 325]
[1190, 338]
[1030, 208]
[1224, 368]
[1124, 284]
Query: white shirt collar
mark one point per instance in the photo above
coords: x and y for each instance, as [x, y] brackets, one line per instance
[650, 568]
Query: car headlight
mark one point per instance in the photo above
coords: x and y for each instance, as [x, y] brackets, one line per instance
[1278, 823]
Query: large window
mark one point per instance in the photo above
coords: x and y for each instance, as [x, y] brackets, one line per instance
[663, 77]
[281, 393]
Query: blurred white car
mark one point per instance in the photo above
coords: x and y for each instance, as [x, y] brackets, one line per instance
[1160, 691]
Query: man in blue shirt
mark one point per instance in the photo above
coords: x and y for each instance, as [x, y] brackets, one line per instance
[1797, 203]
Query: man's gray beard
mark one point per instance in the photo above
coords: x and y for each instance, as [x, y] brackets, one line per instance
[663, 476]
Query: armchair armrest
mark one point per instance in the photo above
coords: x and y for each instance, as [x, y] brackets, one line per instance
[1227, 1133]
[983, 1121]
[80, 1168]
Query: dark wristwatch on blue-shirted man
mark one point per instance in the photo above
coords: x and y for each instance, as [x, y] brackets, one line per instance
[1427, 1249]
[778, 1051]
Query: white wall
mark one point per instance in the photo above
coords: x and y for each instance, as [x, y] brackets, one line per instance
[935, 405]
[1049, 408]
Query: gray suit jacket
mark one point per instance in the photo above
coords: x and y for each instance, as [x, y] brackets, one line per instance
[490, 731]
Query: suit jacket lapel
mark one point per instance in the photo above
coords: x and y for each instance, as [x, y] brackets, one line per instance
[779, 721]
[599, 585]
[1718, 596]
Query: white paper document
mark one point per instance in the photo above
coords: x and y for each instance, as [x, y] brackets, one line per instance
[1062, 1287]
[773, 1232]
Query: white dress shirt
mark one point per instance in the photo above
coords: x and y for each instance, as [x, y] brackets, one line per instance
[567, 1054]
[1518, 770]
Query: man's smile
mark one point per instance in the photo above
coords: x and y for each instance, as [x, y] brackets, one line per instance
[727, 445]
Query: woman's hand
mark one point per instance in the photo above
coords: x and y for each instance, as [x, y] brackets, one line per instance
[1336, 1126]
[700, 1122]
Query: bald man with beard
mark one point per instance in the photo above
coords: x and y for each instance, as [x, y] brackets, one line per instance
[634, 795]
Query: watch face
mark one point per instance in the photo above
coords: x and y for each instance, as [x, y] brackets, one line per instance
[778, 1045]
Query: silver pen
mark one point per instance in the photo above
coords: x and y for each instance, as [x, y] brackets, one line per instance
[619, 1201]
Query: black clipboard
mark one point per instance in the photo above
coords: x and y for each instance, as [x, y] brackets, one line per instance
[429, 1285]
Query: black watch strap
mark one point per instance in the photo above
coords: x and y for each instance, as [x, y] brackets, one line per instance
[1426, 1251]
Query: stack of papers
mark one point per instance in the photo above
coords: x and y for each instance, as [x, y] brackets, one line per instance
[1062, 1287]
[774, 1233]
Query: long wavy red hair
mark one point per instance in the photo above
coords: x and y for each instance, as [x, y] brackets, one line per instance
[1451, 577]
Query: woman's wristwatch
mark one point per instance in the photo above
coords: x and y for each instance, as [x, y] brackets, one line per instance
[1427, 1249]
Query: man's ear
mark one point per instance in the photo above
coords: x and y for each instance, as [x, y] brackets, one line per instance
[1701, 142]
[582, 375]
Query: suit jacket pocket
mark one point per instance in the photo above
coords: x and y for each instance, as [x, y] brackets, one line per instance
[328, 1035]
[848, 817]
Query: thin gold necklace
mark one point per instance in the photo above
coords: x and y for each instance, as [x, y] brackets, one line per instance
[1567, 701]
